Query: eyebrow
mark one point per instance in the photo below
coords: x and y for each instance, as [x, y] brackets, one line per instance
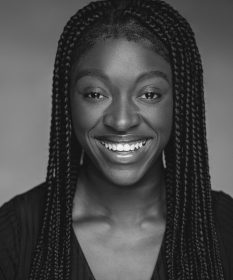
[92, 73]
[151, 74]
[99, 74]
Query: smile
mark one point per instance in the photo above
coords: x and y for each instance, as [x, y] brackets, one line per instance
[124, 147]
[124, 152]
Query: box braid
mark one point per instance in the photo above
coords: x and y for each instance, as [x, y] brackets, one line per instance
[191, 244]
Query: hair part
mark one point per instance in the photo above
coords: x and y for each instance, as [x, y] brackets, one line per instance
[117, 27]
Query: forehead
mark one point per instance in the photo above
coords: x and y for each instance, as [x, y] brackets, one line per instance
[121, 56]
[124, 28]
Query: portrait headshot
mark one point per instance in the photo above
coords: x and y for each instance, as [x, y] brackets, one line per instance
[116, 131]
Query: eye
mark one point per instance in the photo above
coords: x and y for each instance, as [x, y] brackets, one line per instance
[151, 95]
[94, 95]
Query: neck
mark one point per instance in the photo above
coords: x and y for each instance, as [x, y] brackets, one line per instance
[97, 197]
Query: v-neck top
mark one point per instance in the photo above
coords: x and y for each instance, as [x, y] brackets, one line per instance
[84, 271]
[21, 219]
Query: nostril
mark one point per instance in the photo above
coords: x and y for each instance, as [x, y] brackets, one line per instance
[121, 122]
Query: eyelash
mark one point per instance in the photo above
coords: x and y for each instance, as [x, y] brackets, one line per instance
[158, 95]
[87, 95]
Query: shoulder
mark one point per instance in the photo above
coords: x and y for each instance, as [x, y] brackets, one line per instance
[20, 220]
[223, 213]
[22, 208]
[223, 209]
[30, 198]
[27, 206]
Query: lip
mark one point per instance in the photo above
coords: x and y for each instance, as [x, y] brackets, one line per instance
[124, 157]
[122, 138]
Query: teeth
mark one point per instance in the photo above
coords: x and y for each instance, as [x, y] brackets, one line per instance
[119, 147]
[126, 147]
[132, 147]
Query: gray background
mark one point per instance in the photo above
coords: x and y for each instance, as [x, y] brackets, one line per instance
[29, 31]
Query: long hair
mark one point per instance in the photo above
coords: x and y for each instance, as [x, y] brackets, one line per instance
[191, 244]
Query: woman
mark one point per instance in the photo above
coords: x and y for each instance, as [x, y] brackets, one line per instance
[127, 193]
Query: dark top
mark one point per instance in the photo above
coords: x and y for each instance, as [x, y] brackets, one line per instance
[21, 217]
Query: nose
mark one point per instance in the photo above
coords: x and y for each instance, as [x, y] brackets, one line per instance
[122, 115]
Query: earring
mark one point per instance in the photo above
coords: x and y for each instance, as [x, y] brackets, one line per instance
[164, 160]
[82, 157]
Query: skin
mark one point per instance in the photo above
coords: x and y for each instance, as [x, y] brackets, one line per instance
[119, 207]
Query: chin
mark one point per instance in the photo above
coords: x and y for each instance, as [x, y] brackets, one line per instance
[124, 177]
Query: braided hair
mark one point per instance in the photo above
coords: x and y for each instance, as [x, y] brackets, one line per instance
[191, 244]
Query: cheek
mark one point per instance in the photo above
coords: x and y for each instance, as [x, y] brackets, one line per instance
[161, 119]
[84, 117]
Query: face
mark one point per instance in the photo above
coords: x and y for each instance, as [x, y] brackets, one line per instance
[121, 104]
